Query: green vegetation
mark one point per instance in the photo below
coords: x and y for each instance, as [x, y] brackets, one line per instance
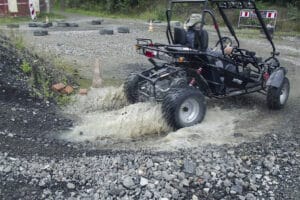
[12, 20]
[26, 68]
[17, 39]
[40, 18]
[289, 10]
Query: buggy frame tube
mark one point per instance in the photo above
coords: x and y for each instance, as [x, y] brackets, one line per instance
[228, 24]
[264, 28]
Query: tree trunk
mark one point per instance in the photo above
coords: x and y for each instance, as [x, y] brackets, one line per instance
[62, 5]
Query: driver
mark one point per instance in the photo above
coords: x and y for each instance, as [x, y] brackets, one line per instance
[192, 25]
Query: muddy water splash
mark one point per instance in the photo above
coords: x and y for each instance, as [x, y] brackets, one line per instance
[106, 119]
[129, 122]
[103, 99]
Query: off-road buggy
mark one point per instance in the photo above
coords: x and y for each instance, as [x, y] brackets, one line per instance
[184, 72]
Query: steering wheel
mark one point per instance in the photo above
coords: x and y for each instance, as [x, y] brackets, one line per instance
[225, 41]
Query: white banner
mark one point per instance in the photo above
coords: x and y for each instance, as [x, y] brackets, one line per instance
[32, 10]
[13, 6]
[36, 4]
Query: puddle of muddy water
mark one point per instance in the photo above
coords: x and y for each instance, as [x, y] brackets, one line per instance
[107, 120]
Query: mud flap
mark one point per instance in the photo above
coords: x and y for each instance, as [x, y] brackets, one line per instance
[277, 77]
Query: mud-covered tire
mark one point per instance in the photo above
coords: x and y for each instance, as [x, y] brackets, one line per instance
[106, 32]
[277, 97]
[131, 88]
[123, 29]
[184, 107]
[40, 33]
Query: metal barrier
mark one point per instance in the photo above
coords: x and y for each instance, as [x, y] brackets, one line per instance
[248, 18]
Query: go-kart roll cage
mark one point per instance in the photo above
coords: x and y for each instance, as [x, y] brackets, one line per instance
[222, 5]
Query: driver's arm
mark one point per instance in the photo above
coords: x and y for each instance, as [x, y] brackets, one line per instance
[228, 50]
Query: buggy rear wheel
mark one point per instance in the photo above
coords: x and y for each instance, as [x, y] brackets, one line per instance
[184, 107]
[131, 88]
[277, 97]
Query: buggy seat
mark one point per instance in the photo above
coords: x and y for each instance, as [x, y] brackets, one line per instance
[194, 39]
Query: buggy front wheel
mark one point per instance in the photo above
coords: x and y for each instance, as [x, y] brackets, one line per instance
[277, 97]
[184, 107]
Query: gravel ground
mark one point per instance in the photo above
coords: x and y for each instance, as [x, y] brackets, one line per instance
[35, 165]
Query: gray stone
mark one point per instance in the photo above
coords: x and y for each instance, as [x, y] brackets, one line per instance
[167, 176]
[237, 189]
[157, 174]
[241, 197]
[42, 183]
[189, 167]
[250, 196]
[148, 194]
[185, 183]
[206, 190]
[227, 183]
[144, 181]
[258, 176]
[70, 186]
[194, 197]
[206, 176]
[7, 169]
[128, 182]
[149, 164]
[230, 175]
[269, 162]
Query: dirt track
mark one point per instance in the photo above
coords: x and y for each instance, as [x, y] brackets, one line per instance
[108, 165]
[84, 44]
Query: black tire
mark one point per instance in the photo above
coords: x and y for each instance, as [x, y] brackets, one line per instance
[131, 88]
[106, 32]
[123, 30]
[40, 33]
[44, 25]
[180, 102]
[277, 97]
[62, 24]
[97, 22]
[33, 25]
[73, 25]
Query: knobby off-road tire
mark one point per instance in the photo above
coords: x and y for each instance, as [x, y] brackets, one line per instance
[184, 107]
[277, 97]
[40, 33]
[131, 88]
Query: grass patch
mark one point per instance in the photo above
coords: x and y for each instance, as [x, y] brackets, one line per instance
[26, 68]
[158, 14]
[40, 18]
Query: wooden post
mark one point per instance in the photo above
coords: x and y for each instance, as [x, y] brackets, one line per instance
[97, 77]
